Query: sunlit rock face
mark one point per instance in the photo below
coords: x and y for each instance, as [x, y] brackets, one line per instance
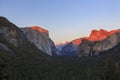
[40, 37]
[99, 40]
[98, 35]
[41, 30]
[99, 46]
[77, 41]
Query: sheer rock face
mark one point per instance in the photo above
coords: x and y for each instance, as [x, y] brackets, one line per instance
[22, 39]
[84, 48]
[11, 33]
[98, 35]
[107, 43]
[99, 46]
[99, 40]
[101, 34]
[40, 37]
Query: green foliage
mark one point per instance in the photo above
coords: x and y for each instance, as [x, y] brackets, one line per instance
[91, 68]
[29, 63]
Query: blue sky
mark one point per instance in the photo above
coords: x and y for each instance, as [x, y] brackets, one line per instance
[65, 19]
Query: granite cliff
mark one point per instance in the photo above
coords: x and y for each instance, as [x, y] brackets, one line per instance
[99, 40]
[40, 37]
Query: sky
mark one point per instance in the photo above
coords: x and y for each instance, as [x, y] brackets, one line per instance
[66, 20]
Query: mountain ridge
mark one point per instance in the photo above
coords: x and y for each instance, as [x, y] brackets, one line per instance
[95, 37]
[22, 60]
[40, 29]
[40, 37]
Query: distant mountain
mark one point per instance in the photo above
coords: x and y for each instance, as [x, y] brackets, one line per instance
[98, 39]
[59, 46]
[22, 59]
[40, 37]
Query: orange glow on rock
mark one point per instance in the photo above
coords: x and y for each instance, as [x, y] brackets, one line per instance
[39, 29]
[78, 41]
[96, 35]
[114, 31]
[101, 34]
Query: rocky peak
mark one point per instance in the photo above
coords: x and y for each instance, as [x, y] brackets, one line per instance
[95, 37]
[11, 32]
[41, 30]
[98, 35]
[40, 37]
[78, 41]
[6, 23]
[114, 31]
[11, 35]
[3, 20]
[110, 42]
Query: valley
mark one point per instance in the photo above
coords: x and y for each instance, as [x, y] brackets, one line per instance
[30, 54]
